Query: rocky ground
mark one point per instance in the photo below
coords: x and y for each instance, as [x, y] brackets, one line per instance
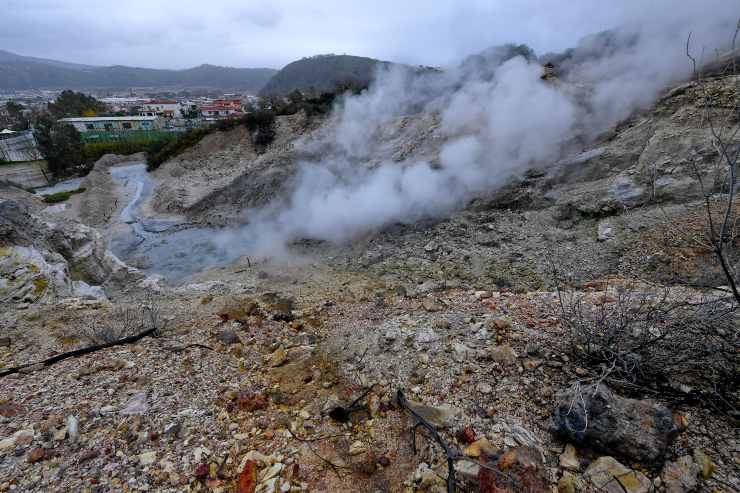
[273, 376]
[249, 368]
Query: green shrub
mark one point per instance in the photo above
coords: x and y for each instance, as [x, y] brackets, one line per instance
[55, 198]
[260, 123]
[95, 150]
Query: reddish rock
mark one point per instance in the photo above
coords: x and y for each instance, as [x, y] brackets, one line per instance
[247, 482]
[466, 435]
[249, 401]
[10, 409]
[201, 472]
[36, 455]
[518, 470]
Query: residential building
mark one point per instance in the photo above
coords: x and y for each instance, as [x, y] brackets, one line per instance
[222, 108]
[114, 123]
[165, 108]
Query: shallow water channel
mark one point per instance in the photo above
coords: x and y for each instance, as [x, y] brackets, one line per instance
[171, 248]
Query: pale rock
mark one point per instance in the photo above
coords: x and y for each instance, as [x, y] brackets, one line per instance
[357, 448]
[605, 231]
[271, 472]
[73, 429]
[680, 476]
[504, 355]
[278, 357]
[426, 336]
[484, 388]
[257, 457]
[7, 444]
[440, 416]
[460, 352]
[137, 405]
[610, 476]
[706, 466]
[147, 458]
[569, 459]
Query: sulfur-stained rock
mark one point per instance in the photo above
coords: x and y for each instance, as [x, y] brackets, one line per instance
[608, 475]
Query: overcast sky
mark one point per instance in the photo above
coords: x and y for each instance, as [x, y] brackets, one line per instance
[271, 33]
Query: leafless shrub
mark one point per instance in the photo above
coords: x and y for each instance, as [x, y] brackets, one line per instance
[669, 341]
[125, 322]
[721, 115]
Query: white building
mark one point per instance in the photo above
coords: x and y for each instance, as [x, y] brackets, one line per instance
[114, 123]
[165, 108]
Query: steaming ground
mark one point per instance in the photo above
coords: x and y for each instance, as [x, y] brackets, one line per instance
[492, 124]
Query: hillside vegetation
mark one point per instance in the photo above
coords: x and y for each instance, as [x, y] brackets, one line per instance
[322, 73]
[20, 72]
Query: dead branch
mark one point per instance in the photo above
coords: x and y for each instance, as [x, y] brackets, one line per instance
[422, 423]
[81, 352]
[334, 467]
[179, 349]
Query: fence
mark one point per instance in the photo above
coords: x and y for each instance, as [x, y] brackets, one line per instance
[128, 136]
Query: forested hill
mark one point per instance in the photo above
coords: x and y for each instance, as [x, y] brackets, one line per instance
[21, 72]
[322, 73]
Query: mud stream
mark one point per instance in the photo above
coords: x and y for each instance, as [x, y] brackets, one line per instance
[169, 247]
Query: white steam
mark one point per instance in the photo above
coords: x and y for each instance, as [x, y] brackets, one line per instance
[489, 128]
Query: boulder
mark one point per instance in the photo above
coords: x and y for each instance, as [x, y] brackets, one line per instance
[594, 416]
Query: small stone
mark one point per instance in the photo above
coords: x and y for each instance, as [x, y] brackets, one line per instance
[532, 348]
[478, 447]
[440, 416]
[431, 246]
[466, 435]
[484, 388]
[357, 448]
[504, 355]
[431, 306]
[609, 475]
[147, 458]
[172, 429]
[228, 337]
[570, 483]
[569, 459]
[680, 476]
[136, 406]
[36, 455]
[73, 430]
[23, 437]
[278, 358]
[482, 295]
[706, 466]
[605, 231]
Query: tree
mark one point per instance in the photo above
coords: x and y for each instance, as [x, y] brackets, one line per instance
[70, 104]
[59, 143]
[14, 109]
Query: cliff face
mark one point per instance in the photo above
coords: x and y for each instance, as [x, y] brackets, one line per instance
[41, 260]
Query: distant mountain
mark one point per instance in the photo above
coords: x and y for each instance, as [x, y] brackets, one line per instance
[322, 73]
[22, 72]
